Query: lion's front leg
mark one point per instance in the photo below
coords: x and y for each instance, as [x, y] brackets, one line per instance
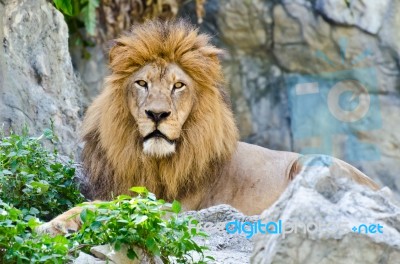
[68, 222]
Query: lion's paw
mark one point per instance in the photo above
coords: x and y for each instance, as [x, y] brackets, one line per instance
[68, 222]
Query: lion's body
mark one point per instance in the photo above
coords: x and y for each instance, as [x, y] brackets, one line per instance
[197, 159]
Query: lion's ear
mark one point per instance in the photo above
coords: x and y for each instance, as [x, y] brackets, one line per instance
[115, 48]
[212, 52]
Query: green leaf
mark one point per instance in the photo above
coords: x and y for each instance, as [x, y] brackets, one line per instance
[34, 211]
[124, 197]
[96, 225]
[117, 246]
[103, 218]
[140, 219]
[7, 172]
[48, 133]
[176, 206]
[18, 239]
[41, 186]
[44, 258]
[139, 190]
[64, 6]
[132, 254]
[83, 215]
[89, 15]
[32, 223]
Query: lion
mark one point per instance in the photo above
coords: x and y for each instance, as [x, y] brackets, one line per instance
[163, 120]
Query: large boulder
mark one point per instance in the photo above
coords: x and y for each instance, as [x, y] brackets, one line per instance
[37, 81]
[327, 219]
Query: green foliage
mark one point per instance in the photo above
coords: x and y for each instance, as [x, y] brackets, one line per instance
[65, 6]
[78, 11]
[80, 16]
[141, 221]
[89, 14]
[33, 185]
[18, 244]
[33, 180]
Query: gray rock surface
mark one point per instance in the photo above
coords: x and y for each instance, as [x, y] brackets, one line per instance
[367, 15]
[84, 258]
[328, 209]
[92, 71]
[107, 254]
[223, 247]
[37, 81]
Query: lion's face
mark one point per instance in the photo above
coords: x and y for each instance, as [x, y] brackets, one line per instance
[160, 98]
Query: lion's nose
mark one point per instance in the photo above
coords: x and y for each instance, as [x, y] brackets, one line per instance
[157, 116]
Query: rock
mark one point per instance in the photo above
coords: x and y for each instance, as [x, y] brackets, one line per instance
[108, 253]
[367, 15]
[335, 212]
[388, 36]
[329, 51]
[92, 71]
[37, 81]
[84, 258]
[254, 81]
[223, 247]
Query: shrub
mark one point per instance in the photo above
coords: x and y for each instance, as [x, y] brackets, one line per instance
[33, 180]
[141, 221]
[18, 244]
[34, 184]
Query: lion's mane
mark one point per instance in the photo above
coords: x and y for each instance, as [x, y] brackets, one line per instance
[112, 155]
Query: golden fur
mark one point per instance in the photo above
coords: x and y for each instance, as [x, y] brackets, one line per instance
[113, 155]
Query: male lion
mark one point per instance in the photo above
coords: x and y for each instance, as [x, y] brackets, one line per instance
[163, 121]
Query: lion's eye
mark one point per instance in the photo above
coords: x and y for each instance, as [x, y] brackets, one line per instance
[179, 85]
[142, 83]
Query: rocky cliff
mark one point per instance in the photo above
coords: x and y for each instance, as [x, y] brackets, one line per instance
[37, 81]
